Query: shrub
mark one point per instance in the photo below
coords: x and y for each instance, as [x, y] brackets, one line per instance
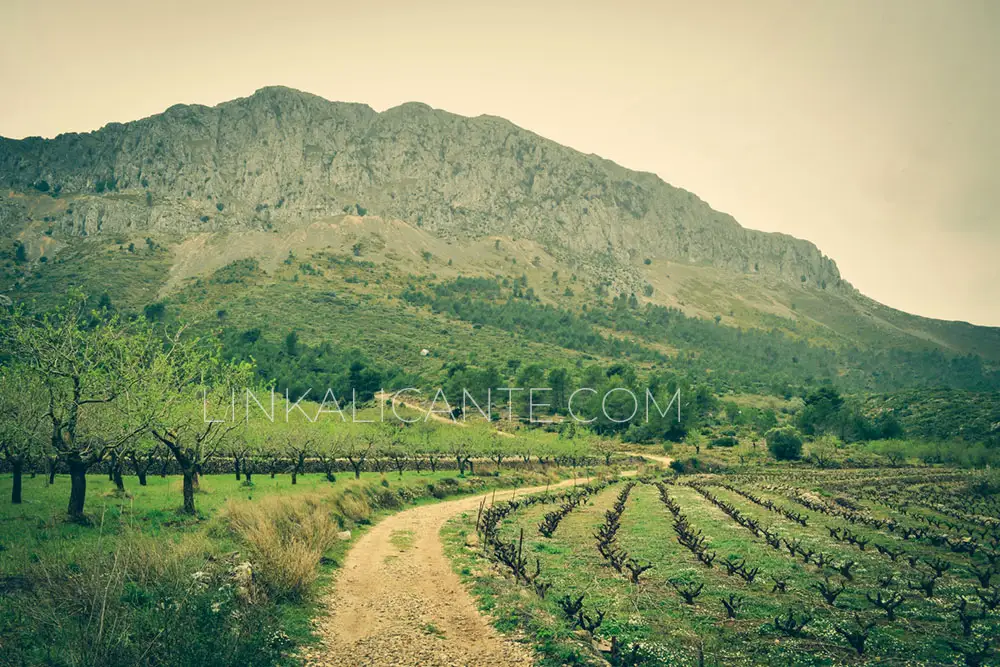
[353, 506]
[784, 443]
[725, 441]
[384, 498]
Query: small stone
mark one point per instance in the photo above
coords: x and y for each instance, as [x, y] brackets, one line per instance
[344, 535]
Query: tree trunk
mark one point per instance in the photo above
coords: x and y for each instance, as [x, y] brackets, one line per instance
[189, 484]
[461, 466]
[52, 471]
[164, 462]
[434, 463]
[78, 488]
[295, 477]
[249, 475]
[236, 465]
[17, 467]
[472, 470]
[140, 470]
[115, 472]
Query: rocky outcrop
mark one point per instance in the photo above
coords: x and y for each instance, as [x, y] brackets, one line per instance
[282, 155]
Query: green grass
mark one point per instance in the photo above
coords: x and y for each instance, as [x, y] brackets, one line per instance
[38, 527]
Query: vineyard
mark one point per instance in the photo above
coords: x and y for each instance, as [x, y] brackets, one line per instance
[889, 566]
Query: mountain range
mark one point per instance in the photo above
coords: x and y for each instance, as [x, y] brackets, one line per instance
[300, 200]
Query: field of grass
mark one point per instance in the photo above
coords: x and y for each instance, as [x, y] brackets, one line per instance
[922, 541]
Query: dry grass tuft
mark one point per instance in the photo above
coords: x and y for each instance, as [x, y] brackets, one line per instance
[353, 505]
[286, 537]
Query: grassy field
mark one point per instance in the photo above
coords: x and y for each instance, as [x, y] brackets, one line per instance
[912, 524]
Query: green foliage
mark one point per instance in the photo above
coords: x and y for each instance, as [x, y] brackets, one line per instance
[105, 185]
[750, 360]
[238, 271]
[155, 312]
[785, 444]
[724, 441]
[296, 367]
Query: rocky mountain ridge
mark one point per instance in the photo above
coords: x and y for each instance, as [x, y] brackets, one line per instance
[281, 155]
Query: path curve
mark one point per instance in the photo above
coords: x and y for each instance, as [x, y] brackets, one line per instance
[665, 460]
[397, 601]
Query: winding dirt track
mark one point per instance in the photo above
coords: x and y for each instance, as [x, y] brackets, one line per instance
[397, 601]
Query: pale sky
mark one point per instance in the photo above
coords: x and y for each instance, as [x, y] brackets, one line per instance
[869, 127]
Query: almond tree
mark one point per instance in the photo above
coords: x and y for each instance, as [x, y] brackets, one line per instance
[497, 449]
[358, 447]
[187, 396]
[143, 452]
[299, 443]
[23, 435]
[84, 359]
[604, 447]
[461, 448]
[395, 446]
[330, 445]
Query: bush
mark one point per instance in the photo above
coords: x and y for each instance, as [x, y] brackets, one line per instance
[691, 465]
[353, 506]
[784, 443]
[384, 498]
[724, 441]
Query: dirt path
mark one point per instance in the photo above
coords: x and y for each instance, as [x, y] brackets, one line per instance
[397, 601]
[665, 460]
